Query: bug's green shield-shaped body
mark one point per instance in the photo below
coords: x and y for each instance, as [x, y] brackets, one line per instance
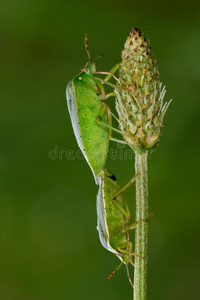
[84, 106]
[110, 219]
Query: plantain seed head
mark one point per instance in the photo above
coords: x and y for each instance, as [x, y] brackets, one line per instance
[139, 96]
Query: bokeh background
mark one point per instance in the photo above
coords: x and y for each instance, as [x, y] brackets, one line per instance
[50, 245]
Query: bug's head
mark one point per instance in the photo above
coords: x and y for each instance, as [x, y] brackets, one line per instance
[90, 68]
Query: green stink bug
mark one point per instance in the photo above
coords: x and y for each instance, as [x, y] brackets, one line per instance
[113, 219]
[84, 94]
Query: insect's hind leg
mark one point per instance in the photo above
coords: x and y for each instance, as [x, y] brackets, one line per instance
[129, 277]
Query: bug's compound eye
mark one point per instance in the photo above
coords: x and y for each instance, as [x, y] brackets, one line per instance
[85, 69]
[111, 176]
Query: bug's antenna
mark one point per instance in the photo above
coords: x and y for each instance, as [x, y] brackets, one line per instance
[101, 55]
[113, 272]
[86, 46]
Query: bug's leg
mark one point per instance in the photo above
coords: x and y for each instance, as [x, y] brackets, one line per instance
[103, 96]
[134, 225]
[101, 89]
[117, 141]
[103, 110]
[109, 125]
[131, 256]
[130, 227]
[128, 275]
[110, 73]
[125, 212]
[126, 186]
[109, 95]
[121, 208]
[110, 136]
[100, 116]
[117, 87]
[110, 132]
[100, 81]
[131, 261]
[126, 247]
[113, 272]
[127, 228]
[106, 82]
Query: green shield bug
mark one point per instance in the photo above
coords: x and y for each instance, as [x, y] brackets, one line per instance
[84, 94]
[113, 219]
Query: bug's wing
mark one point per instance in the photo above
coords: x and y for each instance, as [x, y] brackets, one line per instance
[73, 112]
[101, 217]
[102, 225]
[72, 108]
[92, 138]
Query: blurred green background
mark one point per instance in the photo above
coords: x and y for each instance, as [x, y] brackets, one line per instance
[50, 245]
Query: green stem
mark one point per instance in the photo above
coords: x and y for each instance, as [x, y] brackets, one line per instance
[141, 233]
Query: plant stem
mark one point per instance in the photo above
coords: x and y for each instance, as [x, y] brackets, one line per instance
[141, 233]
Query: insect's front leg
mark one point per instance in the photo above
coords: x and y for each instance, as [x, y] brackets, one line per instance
[117, 203]
[120, 207]
[110, 73]
[102, 81]
[126, 186]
